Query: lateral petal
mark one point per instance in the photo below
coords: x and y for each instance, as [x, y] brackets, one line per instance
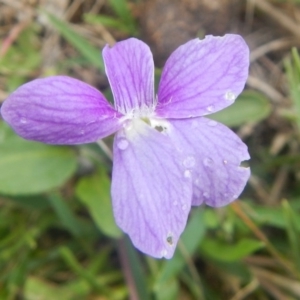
[60, 110]
[213, 155]
[203, 76]
[130, 70]
[151, 194]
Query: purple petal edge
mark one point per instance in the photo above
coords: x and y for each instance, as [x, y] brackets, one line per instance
[203, 76]
[130, 69]
[213, 156]
[60, 110]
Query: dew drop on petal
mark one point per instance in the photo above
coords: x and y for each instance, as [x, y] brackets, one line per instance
[189, 162]
[164, 252]
[127, 125]
[225, 162]
[81, 132]
[210, 108]
[187, 174]
[208, 162]
[23, 121]
[122, 144]
[206, 195]
[212, 123]
[230, 96]
[184, 207]
[197, 182]
[235, 196]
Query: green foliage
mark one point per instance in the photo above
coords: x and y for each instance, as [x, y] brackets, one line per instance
[22, 58]
[32, 168]
[230, 252]
[94, 192]
[123, 21]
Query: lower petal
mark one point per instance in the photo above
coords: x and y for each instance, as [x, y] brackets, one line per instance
[151, 192]
[213, 154]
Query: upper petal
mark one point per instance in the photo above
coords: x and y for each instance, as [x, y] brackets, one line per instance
[213, 155]
[151, 194]
[130, 70]
[203, 76]
[60, 110]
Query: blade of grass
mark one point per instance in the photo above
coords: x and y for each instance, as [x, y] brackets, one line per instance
[72, 262]
[133, 272]
[89, 52]
[292, 233]
[65, 214]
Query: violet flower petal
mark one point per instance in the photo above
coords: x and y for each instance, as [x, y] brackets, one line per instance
[151, 194]
[60, 110]
[203, 76]
[213, 156]
[130, 70]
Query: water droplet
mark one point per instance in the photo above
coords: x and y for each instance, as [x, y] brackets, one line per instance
[184, 207]
[212, 123]
[23, 121]
[187, 174]
[206, 195]
[197, 182]
[225, 162]
[208, 162]
[230, 96]
[81, 132]
[163, 252]
[189, 162]
[235, 196]
[127, 125]
[122, 144]
[210, 108]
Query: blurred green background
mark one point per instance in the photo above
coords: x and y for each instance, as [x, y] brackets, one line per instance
[58, 238]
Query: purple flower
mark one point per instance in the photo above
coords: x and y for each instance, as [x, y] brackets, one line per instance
[167, 156]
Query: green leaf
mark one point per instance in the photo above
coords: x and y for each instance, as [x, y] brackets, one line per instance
[272, 216]
[32, 168]
[94, 192]
[31, 202]
[88, 51]
[229, 252]
[66, 215]
[36, 288]
[169, 291]
[249, 107]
